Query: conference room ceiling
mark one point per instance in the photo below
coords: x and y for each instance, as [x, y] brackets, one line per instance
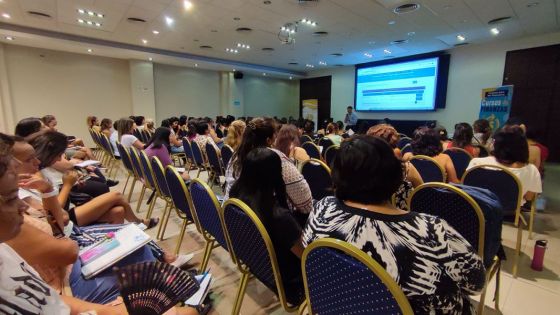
[358, 31]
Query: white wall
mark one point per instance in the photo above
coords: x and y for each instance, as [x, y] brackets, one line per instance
[69, 86]
[472, 68]
[270, 97]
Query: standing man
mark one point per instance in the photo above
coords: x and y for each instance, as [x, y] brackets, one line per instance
[350, 119]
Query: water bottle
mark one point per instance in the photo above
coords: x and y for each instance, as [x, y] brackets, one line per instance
[538, 255]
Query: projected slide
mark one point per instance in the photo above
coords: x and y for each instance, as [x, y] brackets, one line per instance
[407, 85]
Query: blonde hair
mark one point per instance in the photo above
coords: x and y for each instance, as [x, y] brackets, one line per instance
[149, 124]
[385, 132]
[332, 129]
[90, 121]
[235, 133]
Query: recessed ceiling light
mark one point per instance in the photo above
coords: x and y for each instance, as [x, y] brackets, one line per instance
[90, 50]
[196, 64]
[6, 15]
[411, 33]
[144, 41]
[150, 59]
[495, 31]
[10, 38]
[81, 11]
[371, 42]
[155, 32]
[169, 21]
[387, 51]
[99, 15]
[81, 21]
[368, 55]
[89, 23]
[233, 70]
[532, 4]
[291, 78]
[187, 5]
[97, 24]
[392, 22]
[91, 13]
[461, 38]
[322, 63]
[264, 74]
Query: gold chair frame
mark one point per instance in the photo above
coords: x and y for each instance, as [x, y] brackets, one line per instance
[495, 268]
[431, 159]
[245, 271]
[359, 255]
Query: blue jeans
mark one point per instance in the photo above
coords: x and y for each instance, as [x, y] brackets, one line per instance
[104, 287]
[177, 149]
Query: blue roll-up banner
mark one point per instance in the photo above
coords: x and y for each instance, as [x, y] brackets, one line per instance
[495, 105]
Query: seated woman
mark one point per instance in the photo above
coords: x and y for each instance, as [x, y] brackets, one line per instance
[51, 123]
[157, 146]
[150, 125]
[427, 142]
[332, 133]
[512, 151]
[22, 290]
[411, 177]
[266, 195]
[235, 134]
[463, 138]
[106, 127]
[435, 266]
[93, 123]
[260, 133]
[110, 207]
[125, 134]
[482, 132]
[287, 142]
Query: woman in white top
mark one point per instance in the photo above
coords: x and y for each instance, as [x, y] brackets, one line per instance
[125, 129]
[332, 134]
[512, 151]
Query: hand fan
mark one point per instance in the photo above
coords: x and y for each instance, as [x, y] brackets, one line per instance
[152, 288]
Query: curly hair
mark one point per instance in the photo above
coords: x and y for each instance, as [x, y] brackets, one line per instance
[426, 142]
[385, 132]
[235, 133]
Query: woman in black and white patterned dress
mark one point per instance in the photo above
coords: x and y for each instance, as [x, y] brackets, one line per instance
[433, 264]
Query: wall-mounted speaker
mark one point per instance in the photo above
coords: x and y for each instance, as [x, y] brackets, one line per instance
[238, 75]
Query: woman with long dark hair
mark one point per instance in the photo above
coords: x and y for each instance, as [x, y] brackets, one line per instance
[158, 147]
[266, 195]
[462, 138]
[287, 142]
[260, 133]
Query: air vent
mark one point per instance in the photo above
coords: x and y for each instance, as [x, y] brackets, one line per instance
[499, 20]
[39, 14]
[136, 20]
[293, 63]
[320, 33]
[406, 8]
[267, 49]
[399, 41]
[336, 55]
[460, 44]
[205, 47]
[244, 29]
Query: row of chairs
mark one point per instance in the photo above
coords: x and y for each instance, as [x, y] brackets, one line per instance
[211, 160]
[104, 152]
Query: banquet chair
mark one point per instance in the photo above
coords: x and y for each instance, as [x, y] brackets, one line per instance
[136, 165]
[207, 212]
[406, 149]
[464, 214]
[330, 154]
[227, 153]
[164, 193]
[318, 176]
[188, 154]
[325, 143]
[403, 141]
[312, 150]
[460, 159]
[508, 188]
[305, 138]
[125, 159]
[149, 181]
[199, 160]
[341, 279]
[215, 167]
[182, 201]
[429, 169]
[254, 252]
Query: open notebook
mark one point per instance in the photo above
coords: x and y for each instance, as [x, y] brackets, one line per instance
[105, 253]
[198, 298]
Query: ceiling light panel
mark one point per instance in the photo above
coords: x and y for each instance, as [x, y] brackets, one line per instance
[6, 16]
[232, 50]
[91, 14]
[187, 5]
[244, 46]
[89, 22]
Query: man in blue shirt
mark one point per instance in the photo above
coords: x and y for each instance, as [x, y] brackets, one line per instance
[350, 119]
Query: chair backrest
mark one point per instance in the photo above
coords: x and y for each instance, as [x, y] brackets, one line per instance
[252, 246]
[146, 135]
[460, 158]
[341, 279]
[500, 181]
[188, 149]
[138, 134]
[429, 169]
[326, 143]
[227, 153]
[305, 138]
[159, 175]
[318, 176]
[312, 150]
[207, 210]
[406, 149]
[198, 156]
[146, 165]
[454, 206]
[180, 194]
[135, 162]
[106, 144]
[330, 154]
[403, 141]
[214, 159]
[125, 157]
